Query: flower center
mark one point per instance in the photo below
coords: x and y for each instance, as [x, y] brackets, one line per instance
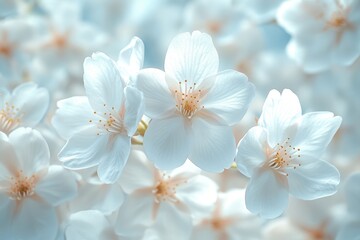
[337, 20]
[165, 189]
[188, 99]
[284, 156]
[109, 121]
[5, 47]
[22, 186]
[9, 118]
[59, 40]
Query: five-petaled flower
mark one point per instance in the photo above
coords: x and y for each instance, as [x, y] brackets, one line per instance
[192, 106]
[99, 127]
[30, 189]
[282, 155]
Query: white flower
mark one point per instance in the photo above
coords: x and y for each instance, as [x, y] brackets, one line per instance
[192, 106]
[229, 219]
[154, 197]
[29, 188]
[324, 32]
[282, 155]
[99, 127]
[25, 106]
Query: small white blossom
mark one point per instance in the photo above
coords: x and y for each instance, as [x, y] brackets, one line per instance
[282, 155]
[30, 189]
[98, 128]
[192, 106]
[324, 32]
[156, 196]
[26, 106]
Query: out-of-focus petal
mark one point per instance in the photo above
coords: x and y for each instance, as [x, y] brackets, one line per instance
[58, 186]
[31, 150]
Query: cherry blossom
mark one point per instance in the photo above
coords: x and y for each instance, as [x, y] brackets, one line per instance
[25, 106]
[29, 187]
[324, 33]
[282, 155]
[192, 106]
[98, 128]
[154, 196]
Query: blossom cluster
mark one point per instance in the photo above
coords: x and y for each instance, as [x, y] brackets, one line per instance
[176, 120]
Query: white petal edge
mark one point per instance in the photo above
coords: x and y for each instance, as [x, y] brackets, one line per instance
[230, 96]
[192, 57]
[251, 151]
[57, 187]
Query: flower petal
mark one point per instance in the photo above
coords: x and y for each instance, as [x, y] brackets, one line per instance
[291, 13]
[58, 186]
[157, 96]
[313, 179]
[73, 115]
[80, 223]
[9, 163]
[315, 131]
[202, 231]
[106, 198]
[213, 147]
[44, 224]
[113, 162]
[138, 206]
[4, 96]
[131, 57]
[191, 57]
[230, 96]
[32, 102]
[32, 150]
[138, 172]
[102, 81]
[279, 112]
[199, 194]
[7, 209]
[251, 151]
[178, 228]
[167, 142]
[83, 150]
[134, 109]
[265, 195]
[347, 50]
